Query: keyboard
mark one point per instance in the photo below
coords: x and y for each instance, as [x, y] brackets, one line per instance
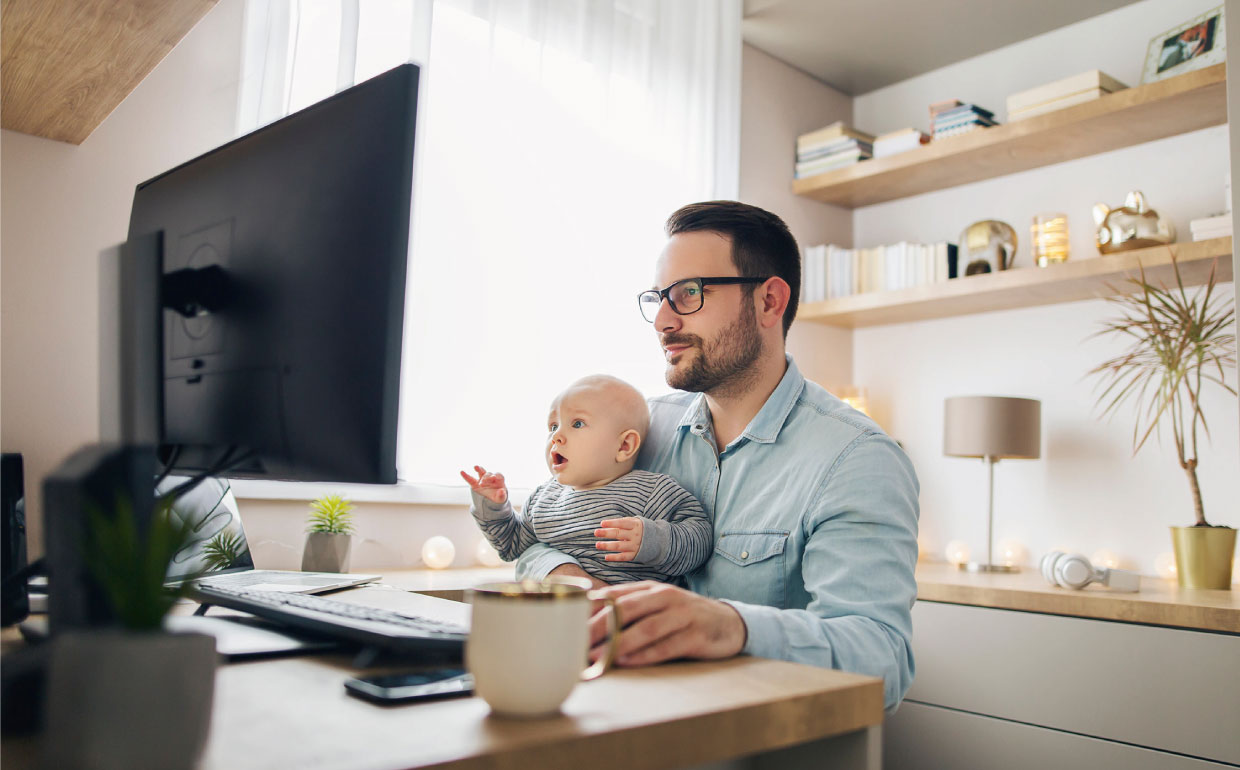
[368, 626]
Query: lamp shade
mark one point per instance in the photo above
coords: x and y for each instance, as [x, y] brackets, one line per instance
[992, 426]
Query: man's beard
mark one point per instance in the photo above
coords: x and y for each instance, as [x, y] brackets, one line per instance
[723, 367]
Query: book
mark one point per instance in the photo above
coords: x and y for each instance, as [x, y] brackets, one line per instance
[943, 106]
[838, 145]
[1218, 226]
[964, 119]
[891, 267]
[834, 131]
[963, 109]
[1074, 84]
[900, 141]
[958, 130]
[803, 170]
[1080, 97]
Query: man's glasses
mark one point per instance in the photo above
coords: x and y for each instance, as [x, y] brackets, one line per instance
[685, 296]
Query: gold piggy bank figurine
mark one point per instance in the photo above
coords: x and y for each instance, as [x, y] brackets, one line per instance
[1132, 226]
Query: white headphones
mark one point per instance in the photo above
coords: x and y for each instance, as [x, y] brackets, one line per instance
[1072, 570]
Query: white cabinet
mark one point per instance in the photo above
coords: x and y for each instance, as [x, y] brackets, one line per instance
[1003, 688]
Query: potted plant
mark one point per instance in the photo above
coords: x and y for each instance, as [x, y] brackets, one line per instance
[330, 535]
[104, 681]
[1179, 343]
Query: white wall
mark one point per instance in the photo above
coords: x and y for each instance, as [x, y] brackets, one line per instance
[777, 104]
[1087, 492]
[61, 205]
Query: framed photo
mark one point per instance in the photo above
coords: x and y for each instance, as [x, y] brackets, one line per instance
[1198, 42]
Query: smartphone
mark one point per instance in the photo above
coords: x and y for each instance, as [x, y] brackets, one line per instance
[420, 685]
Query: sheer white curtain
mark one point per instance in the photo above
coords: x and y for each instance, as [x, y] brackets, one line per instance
[555, 136]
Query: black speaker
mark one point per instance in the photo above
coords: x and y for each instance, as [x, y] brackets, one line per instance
[14, 603]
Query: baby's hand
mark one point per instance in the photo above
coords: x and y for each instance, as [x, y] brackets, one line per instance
[623, 536]
[489, 485]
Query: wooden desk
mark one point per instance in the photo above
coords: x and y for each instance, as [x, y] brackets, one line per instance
[294, 712]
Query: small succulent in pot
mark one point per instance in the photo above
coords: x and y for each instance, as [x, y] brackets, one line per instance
[330, 531]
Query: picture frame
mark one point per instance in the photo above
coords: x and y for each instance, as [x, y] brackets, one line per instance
[1199, 42]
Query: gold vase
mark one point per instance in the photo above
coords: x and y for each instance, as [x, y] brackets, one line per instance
[1203, 556]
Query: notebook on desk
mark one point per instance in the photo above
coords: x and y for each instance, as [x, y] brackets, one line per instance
[219, 548]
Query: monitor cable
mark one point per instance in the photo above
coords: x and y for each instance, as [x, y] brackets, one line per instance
[231, 459]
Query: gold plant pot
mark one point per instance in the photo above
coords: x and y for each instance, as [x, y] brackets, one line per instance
[1203, 556]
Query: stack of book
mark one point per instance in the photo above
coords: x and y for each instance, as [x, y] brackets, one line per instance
[830, 271]
[830, 148]
[1062, 93]
[1218, 226]
[896, 142]
[953, 117]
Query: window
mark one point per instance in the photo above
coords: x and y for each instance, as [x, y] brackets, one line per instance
[554, 140]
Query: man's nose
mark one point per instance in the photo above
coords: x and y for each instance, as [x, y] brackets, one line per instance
[666, 320]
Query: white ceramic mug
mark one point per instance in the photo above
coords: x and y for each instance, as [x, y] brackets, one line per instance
[529, 641]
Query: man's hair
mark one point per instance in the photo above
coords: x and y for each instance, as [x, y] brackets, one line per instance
[761, 242]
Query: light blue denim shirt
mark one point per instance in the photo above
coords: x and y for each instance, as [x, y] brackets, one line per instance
[815, 517]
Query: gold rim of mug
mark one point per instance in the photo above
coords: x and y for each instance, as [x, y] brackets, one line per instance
[548, 589]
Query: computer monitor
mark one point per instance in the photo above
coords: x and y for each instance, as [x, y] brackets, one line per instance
[285, 254]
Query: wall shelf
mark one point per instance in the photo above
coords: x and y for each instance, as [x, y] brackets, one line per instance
[1024, 287]
[1177, 105]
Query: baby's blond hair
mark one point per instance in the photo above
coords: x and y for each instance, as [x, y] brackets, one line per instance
[626, 401]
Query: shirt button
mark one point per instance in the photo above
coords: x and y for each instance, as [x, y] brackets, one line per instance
[744, 554]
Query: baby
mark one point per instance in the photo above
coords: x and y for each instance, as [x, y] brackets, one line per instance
[595, 501]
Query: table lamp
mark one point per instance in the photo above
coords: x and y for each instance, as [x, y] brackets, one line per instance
[992, 428]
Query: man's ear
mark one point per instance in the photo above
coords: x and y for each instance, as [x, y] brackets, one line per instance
[772, 298]
[630, 442]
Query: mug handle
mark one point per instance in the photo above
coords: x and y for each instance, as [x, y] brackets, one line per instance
[600, 666]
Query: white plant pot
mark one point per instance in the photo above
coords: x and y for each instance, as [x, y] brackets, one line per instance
[119, 699]
[326, 552]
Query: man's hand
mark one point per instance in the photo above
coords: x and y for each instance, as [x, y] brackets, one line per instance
[572, 570]
[622, 535]
[489, 485]
[663, 622]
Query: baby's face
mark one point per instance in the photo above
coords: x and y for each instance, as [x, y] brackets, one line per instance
[583, 439]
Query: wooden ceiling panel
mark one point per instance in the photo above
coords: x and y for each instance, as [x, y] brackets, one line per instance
[66, 64]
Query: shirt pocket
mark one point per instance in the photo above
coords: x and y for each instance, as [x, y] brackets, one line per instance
[749, 566]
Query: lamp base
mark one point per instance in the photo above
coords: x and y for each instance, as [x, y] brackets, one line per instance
[977, 567]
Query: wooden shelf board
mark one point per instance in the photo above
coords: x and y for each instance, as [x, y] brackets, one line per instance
[64, 66]
[1159, 602]
[1177, 105]
[1025, 287]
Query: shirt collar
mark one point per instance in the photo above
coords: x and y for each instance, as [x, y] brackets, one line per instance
[766, 424]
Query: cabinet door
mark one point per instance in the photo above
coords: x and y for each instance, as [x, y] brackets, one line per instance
[920, 736]
[1164, 688]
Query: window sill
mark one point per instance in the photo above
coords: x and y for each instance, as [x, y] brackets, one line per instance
[403, 492]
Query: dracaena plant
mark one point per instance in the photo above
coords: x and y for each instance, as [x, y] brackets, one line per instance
[331, 514]
[1178, 343]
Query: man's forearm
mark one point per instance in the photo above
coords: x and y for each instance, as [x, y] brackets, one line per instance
[573, 570]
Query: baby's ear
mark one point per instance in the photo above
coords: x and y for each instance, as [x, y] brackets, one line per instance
[630, 442]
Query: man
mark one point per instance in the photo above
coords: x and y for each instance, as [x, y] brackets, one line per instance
[814, 507]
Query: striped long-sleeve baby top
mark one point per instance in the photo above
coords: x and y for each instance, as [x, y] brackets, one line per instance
[676, 536]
